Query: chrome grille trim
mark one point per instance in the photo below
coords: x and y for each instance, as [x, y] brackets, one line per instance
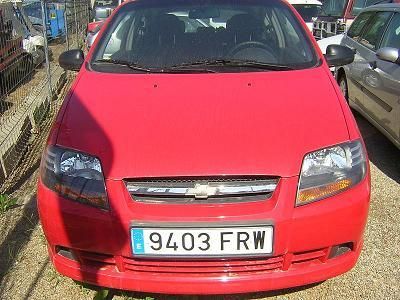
[213, 190]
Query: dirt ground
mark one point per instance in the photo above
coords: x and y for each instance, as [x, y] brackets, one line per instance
[26, 273]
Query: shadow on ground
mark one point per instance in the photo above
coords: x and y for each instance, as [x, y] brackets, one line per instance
[248, 296]
[19, 236]
[381, 151]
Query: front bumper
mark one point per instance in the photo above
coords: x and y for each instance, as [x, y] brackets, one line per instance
[303, 244]
[192, 283]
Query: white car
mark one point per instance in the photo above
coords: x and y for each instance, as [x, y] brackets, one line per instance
[324, 43]
[332, 40]
[308, 9]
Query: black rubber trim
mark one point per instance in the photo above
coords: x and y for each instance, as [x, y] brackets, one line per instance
[378, 100]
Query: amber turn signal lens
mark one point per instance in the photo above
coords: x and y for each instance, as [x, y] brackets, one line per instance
[82, 195]
[321, 192]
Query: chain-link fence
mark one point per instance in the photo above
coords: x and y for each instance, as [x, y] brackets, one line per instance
[33, 34]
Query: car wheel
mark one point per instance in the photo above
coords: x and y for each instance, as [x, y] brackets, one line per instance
[344, 87]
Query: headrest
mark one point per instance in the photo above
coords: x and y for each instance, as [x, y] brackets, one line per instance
[245, 23]
[170, 25]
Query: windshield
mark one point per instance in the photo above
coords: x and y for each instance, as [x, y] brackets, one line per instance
[33, 9]
[157, 35]
[334, 8]
[359, 5]
[307, 11]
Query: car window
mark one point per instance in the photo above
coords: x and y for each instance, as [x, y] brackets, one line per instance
[116, 39]
[358, 25]
[361, 4]
[357, 7]
[292, 39]
[191, 25]
[373, 33]
[160, 35]
[33, 9]
[308, 11]
[223, 16]
[392, 36]
[333, 8]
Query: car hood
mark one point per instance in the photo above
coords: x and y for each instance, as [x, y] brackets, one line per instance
[155, 125]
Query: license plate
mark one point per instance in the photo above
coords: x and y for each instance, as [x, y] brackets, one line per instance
[224, 241]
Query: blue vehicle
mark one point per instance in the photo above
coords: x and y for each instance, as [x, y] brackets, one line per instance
[54, 17]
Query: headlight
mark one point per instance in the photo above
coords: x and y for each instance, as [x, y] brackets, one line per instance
[329, 171]
[74, 175]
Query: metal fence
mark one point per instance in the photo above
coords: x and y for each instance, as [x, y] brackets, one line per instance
[32, 36]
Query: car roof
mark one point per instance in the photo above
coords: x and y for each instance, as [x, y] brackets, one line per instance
[383, 7]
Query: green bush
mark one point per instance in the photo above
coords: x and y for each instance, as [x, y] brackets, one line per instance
[6, 202]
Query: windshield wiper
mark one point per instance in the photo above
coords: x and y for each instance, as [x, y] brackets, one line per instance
[188, 66]
[128, 64]
[185, 69]
[233, 63]
[138, 67]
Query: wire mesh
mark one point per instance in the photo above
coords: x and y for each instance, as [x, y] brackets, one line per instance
[32, 36]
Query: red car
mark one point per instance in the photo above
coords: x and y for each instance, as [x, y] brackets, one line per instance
[204, 148]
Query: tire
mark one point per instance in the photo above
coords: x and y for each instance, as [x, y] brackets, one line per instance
[344, 87]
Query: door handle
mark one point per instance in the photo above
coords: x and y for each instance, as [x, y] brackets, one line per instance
[373, 65]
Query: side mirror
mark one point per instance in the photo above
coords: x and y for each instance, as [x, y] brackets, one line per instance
[71, 60]
[389, 54]
[338, 55]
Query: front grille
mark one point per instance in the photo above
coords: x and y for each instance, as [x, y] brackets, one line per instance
[205, 267]
[201, 190]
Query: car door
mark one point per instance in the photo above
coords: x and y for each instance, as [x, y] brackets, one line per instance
[365, 76]
[379, 101]
[388, 86]
[353, 70]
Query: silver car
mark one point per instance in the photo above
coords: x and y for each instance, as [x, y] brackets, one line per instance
[372, 82]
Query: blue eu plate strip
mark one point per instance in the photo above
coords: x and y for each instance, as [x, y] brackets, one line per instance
[138, 241]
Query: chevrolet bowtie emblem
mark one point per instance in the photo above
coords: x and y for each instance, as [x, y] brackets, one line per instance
[202, 191]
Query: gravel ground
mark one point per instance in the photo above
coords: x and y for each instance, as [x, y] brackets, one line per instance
[25, 271]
